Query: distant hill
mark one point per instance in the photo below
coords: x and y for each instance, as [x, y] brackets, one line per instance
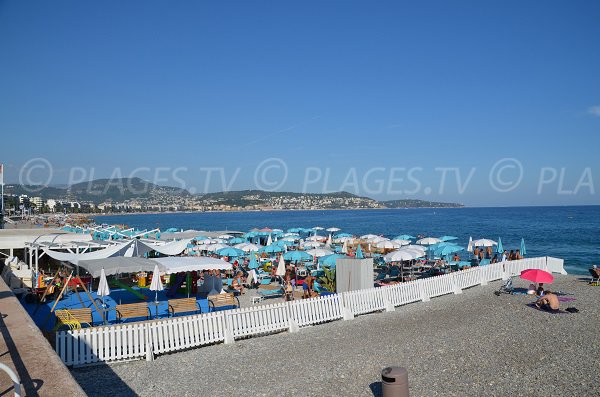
[100, 190]
[418, 204]
[126, 189]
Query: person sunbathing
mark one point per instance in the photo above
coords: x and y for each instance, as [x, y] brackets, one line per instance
[238, 283]
[549, 302]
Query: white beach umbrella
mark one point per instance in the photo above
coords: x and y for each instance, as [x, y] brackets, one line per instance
[156, 284]
[344, 239]
[247, 247]
[333, 229]
[484, 242]
[280, 267]
[316, 238]
[418, 248]
[317, 228]
[103, 288]
[376, 239]
[225, 236]
[319, 252]
[386, 244]
[401, 255]
[207, 241]
[215, 247]
[429, 241]
[470, 246]
[401, 242]
[312, 244]
[368, 236]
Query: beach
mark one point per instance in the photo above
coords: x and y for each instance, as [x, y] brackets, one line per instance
[475, 343]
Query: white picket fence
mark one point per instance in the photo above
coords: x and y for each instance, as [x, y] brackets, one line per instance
[150, 338]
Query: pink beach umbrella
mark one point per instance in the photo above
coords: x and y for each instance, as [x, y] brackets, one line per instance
[537, 276]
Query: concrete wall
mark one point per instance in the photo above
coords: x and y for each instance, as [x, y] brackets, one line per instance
[29, 354]
[353, 274]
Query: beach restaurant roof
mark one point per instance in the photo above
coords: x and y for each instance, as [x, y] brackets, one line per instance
[169, 265]
[18, 238]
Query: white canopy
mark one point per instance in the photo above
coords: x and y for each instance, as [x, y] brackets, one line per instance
[176, 264]
[169, 265]
[116, 265]
[131, 248]
[74, 258]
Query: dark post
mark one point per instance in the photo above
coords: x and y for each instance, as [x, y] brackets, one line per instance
[394, 382]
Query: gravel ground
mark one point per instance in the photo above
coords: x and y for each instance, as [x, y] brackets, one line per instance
[473, 344]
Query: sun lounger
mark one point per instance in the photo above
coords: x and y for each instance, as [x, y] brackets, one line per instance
[269, 291]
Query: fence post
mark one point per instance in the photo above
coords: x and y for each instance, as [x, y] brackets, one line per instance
[482, 279]
[422, 290]
[148, 335]
[292, 323]
[229, 339]
[346, 311]
[457, 289]
[389, 307]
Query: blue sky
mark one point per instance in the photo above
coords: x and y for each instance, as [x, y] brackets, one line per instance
[376, 99]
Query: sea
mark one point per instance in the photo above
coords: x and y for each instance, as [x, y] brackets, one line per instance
[570, 233]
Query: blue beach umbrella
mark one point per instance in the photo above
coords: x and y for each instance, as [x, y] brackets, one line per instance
[253, 263]
[523, 249]
[448, 238]
[359, 253]
[404, 237]
[340, 235]
[297, 256]
[271, 249]
[499, 248]
[329, 260]
[230, 251]
[237, 240]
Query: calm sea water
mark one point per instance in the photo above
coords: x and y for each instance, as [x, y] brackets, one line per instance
[571, 233]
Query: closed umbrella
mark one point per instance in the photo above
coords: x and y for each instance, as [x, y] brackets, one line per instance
[500, 248]
[156, 284]
[359, 253]
[345, 247]
[470, 245]
[103, 288]
[523, 249]
[280, 267]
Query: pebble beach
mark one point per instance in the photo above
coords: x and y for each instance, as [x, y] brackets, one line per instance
[475, 343]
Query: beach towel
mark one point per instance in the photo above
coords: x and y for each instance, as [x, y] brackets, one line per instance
[566, 299]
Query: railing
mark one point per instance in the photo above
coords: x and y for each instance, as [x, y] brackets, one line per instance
[146, 339]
